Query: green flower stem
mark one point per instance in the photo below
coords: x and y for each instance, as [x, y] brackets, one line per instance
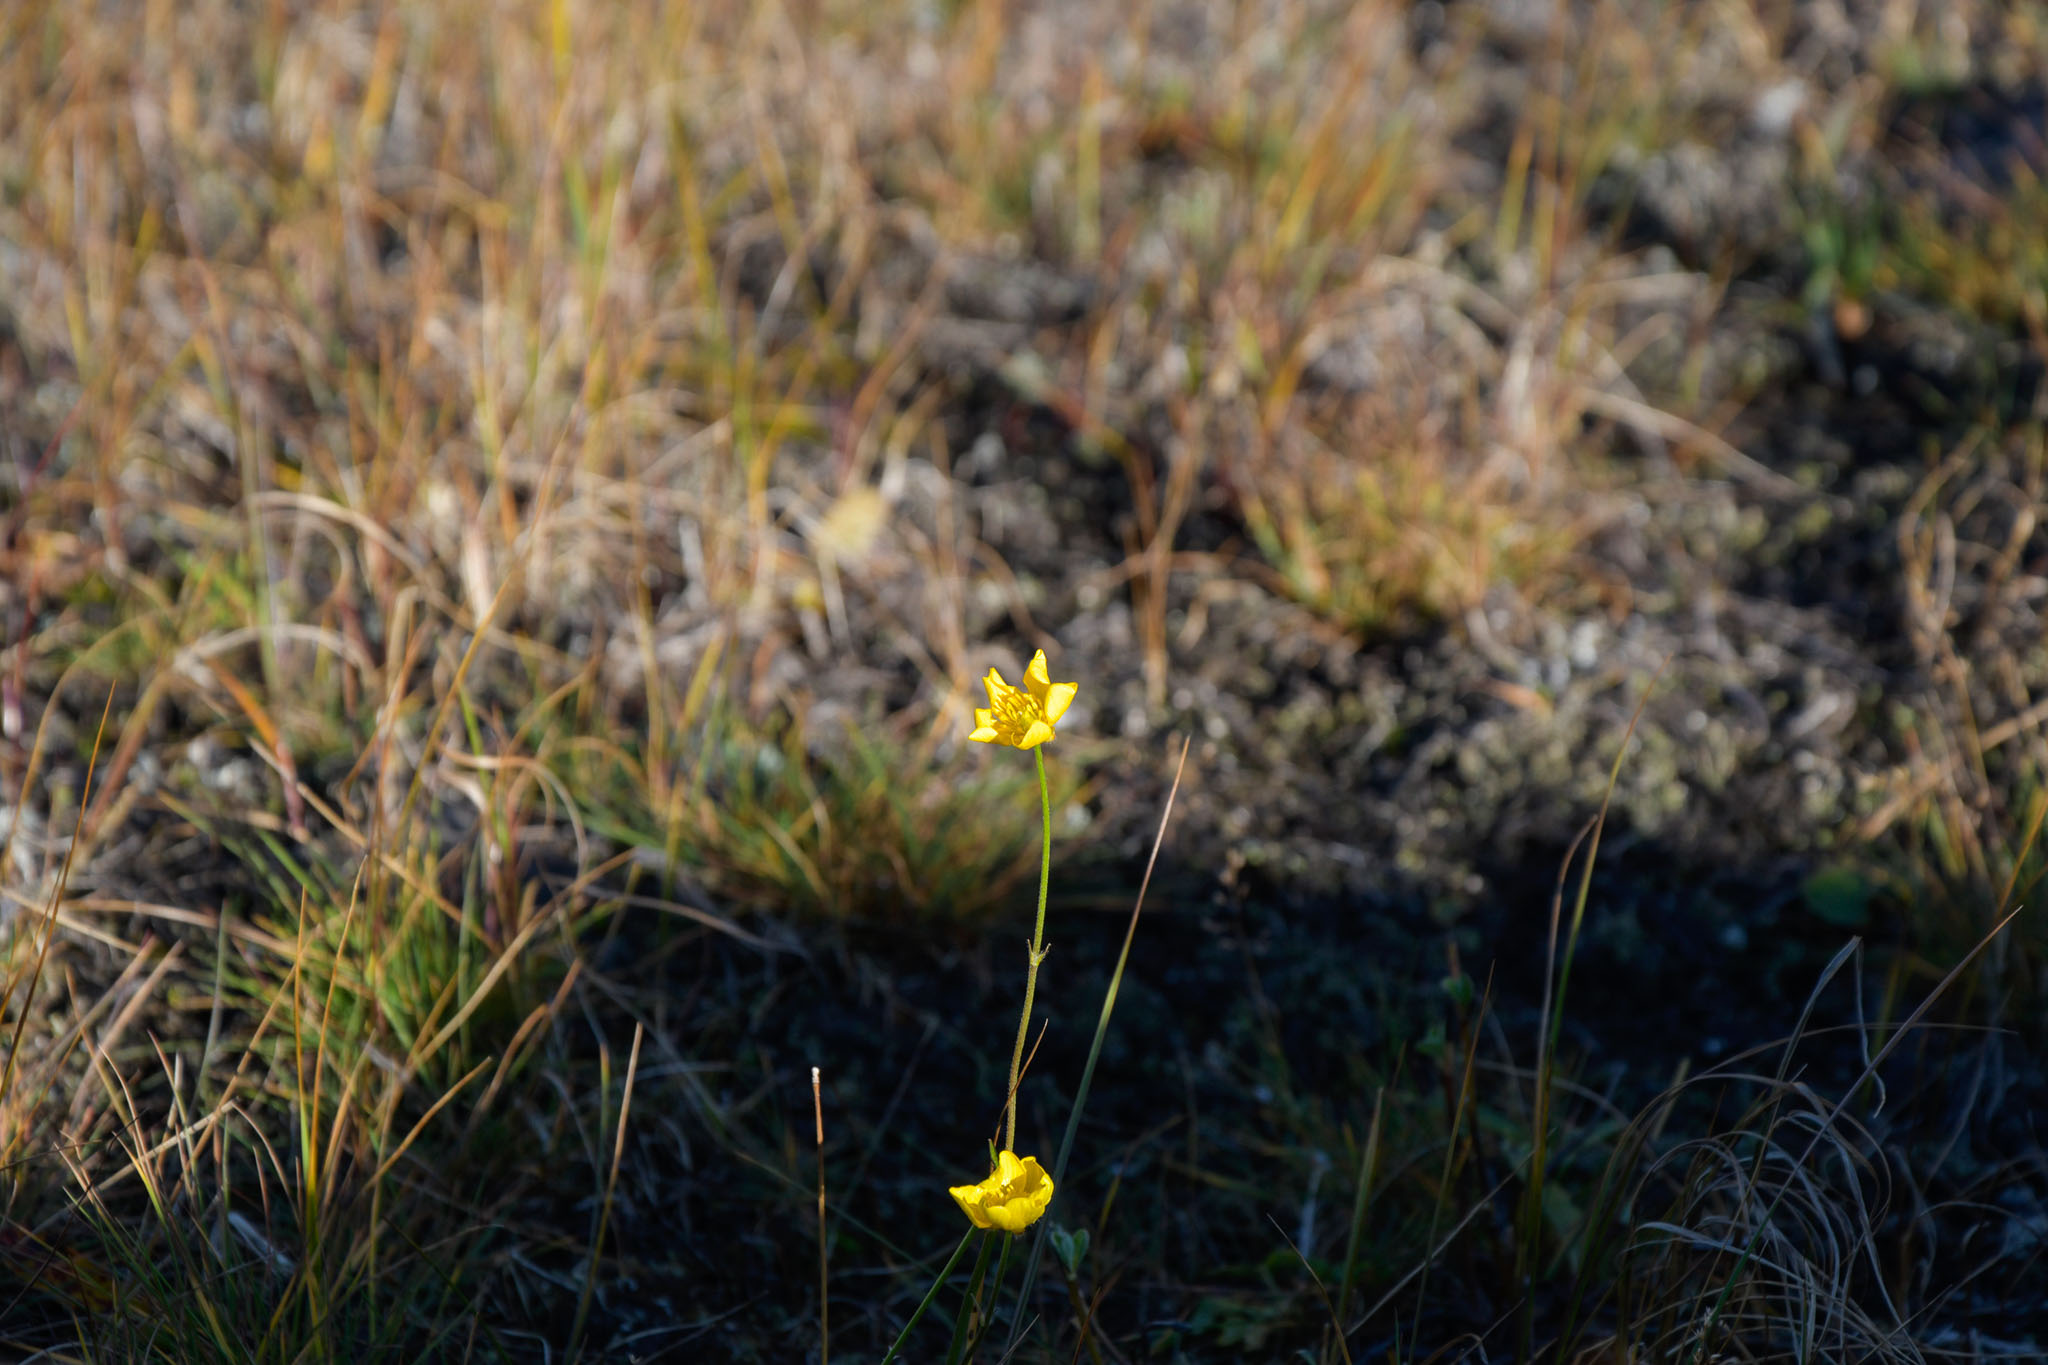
[930, 1294]
[1116, 978]
[970, 1305]
[1037, 953]
[995, 1296]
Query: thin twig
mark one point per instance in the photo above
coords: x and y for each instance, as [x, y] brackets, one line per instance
[824, 1293]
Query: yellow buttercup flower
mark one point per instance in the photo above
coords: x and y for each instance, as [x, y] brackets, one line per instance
[1022, 717]
[1012, 1198]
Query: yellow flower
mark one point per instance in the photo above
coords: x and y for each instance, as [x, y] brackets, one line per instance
[1014, 1195]
[1022, 717]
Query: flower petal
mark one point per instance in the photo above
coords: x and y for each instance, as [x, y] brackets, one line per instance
[969, 1198]
[1035, 676]
[1014, 1216]
[1037, 734]
[1058, 697]
[997, 688]
[1026, 1190]
[1012, 1197]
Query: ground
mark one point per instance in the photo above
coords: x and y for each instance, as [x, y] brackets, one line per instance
[507, 505]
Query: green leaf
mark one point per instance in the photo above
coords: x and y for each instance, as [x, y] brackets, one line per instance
[1070, 1247]
[1459, 989]
[1433, 1041]
[1840, 896]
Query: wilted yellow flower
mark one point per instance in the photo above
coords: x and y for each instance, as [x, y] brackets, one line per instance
[1022, 717]
[1014, 1195]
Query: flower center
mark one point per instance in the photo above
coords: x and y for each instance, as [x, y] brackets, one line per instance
[1016, 709]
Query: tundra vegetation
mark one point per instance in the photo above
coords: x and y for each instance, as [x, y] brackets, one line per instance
[507, 507]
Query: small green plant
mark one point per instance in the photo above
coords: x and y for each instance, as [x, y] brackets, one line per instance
[852, 827]
[1018, 1191]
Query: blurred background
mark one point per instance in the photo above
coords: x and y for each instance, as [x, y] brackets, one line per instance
[506, 504]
